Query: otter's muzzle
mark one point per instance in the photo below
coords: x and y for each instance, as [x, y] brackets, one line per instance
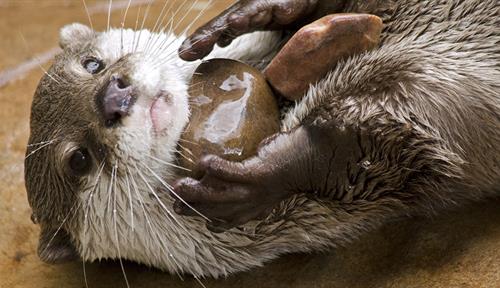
[116, 100]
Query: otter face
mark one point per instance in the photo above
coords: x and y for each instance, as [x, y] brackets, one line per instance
[113, 104]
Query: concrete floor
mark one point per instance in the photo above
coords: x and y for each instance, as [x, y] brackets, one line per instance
[457, 249]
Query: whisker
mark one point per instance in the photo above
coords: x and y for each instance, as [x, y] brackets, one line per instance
[170, 23]
[202, 11]
[184, 156]
[38, 61]
[135, 29]
[186, 149]
[168, 164]
[139, 197]
[123, 24]
[162, 205]
[109, 13]
[85, 220]
[169, 187]
[70, 212]
[141, 201]
[186, 14]
[39, 148]
[166, 58]
[156, 195]
[199, 281]
[88, 14]
[190, 142]
[130, 202]
[85, 274]
[117, 244]
[155, 26]
[39, 143]
[113, 175]
[162, 29]
[146, 14]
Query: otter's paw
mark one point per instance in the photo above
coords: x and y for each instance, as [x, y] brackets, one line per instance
[229, 194]
[243, 17]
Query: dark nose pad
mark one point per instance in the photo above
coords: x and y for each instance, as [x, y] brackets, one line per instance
[116, 100]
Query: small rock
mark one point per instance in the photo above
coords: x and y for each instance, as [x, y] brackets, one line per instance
[316, 48]
[233, 110]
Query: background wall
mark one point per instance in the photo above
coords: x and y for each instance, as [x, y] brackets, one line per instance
[456, 249]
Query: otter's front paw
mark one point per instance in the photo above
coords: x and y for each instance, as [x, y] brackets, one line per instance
[243, 17]
[230, 193]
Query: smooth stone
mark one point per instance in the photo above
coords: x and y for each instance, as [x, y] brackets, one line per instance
[318, 47]
[232, 110]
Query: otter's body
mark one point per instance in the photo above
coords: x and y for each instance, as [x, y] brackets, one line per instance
[422, 115]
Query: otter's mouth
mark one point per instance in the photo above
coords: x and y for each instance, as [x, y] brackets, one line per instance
[161, 111]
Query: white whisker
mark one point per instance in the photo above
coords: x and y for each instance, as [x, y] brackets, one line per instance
[110, 187]
[88, 14]
[38, 61]
[202, 11]
[155, 26]
[135, 29]
[109, 13]
[168, 164]
[185, 157]
[117, 244]
[187, 141]
[39, 148]
[130, 202]
[162, 29]
[123, 24]
[40, 143]
[166, 58]
[146, 14]
[156, 195]
[85, 220]
[185, 149]
[199, 281]
[170, 23]
[71, 210]
[169, 187]
[141, 202]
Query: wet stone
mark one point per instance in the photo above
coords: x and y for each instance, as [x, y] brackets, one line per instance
[319, 46]
[232, 110]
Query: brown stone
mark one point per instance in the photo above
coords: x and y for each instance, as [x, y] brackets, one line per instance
[233, 110]
[319, 46]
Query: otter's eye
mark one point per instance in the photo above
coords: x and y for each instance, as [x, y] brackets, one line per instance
[80, 162]
[93, 66]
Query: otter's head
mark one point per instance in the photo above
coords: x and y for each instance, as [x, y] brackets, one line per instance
[113, 104]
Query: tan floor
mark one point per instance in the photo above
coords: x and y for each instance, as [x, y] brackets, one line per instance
[459, 249]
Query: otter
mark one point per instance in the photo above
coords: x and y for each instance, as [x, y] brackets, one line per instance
[411, 127]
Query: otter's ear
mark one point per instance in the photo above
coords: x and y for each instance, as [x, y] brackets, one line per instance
[55, 246]
[74, 34]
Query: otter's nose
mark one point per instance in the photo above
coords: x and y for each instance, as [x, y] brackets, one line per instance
[116, 101]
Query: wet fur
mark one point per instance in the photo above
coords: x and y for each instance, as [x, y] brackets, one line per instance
[427, 100]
